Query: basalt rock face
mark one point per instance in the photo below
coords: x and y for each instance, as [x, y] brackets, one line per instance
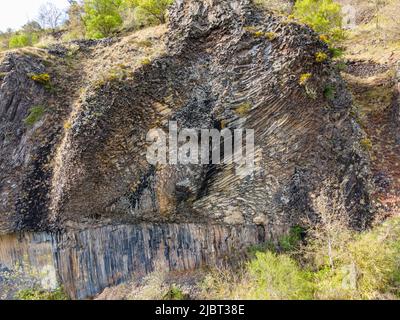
[222, 55]
[24, 179]
[226, 65]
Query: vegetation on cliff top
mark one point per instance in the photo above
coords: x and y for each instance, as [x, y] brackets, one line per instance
[85, 19]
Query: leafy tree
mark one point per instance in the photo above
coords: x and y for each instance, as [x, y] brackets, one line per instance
[324, 16]
[154, 8]
[102, 17]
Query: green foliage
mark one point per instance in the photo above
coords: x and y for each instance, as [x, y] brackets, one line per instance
[286, 243]
[42, 78]
[336, 52]
[367, 266]
[175, 293]
[35, 114]
[292, 240]
[102, 17]
[276, 276]
[324, 16]
[153, 9]
[19, 41]
[335, 263]
[40, 294]
[329, 92]
[340, 65]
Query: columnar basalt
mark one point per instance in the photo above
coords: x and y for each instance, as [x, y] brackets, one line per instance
[87, 261]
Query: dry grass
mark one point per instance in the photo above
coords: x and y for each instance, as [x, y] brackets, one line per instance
[372, 39]
[128, 53]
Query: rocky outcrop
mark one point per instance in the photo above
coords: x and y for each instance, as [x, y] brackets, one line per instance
[24, 179]
[217, 61]
[88, 261]
[226, 65]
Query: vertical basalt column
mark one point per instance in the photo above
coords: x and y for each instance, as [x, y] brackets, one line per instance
[86, 262]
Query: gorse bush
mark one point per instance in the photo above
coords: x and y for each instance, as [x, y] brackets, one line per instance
[304, 78]
[42, 78]
[324, 16]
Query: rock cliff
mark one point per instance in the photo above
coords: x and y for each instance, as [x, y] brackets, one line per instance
[80, 172]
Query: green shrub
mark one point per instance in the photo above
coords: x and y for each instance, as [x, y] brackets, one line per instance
[324, 16]
[329, 92]
[153, 9]
[286, 243]
[41, 294]
[292, 240]
[335, 263]
[274, 276]
[35, 114]
[365, 267]
[175, 293]
[19, 41]
[336, 52]
[42, 78]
